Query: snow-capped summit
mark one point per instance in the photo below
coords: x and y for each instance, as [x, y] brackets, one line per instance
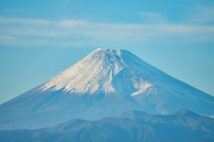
[105, 83]
[99, 72]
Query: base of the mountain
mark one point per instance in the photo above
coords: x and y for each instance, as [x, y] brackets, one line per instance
[134, 126]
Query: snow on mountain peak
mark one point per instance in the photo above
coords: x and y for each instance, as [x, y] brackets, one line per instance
[101, 71]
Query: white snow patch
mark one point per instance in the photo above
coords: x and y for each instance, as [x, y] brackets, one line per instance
[93, 73]
[97, 73]
[142, 89]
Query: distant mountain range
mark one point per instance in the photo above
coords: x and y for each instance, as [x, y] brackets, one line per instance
[133, 126]
[108, 83]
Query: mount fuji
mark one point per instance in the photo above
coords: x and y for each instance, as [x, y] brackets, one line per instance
[106, 83]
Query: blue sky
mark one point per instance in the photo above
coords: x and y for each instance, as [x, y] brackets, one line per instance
[40, 38]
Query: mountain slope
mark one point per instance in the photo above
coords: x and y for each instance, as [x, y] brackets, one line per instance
[136, 126]
[105, 83]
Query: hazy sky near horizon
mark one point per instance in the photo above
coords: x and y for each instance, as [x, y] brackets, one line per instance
[40, 38]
